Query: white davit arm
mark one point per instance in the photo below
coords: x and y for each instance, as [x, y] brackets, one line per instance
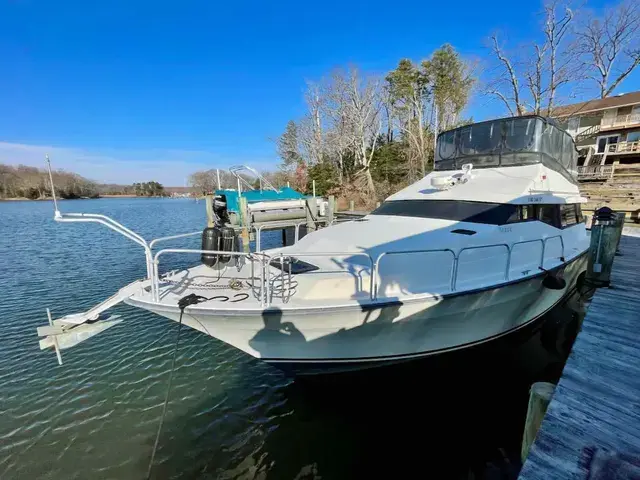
[71, 330]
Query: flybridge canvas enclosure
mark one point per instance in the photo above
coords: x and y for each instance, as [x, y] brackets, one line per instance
[508, 142]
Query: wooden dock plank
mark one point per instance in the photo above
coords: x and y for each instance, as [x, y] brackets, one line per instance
[597, 401]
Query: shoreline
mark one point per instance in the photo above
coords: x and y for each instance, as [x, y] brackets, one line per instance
[50, 199]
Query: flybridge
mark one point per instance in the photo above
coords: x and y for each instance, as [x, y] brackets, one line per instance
[508, 142]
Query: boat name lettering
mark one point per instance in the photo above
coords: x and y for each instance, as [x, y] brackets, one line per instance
[505, 229]
[534, 199]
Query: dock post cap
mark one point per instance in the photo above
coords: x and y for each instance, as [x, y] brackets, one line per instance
[543, 390]
[604, 214]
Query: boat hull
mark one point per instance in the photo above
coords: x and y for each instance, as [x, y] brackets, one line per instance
[325, 340]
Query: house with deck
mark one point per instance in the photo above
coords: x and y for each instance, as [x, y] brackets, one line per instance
[607, 135]
[606, 131]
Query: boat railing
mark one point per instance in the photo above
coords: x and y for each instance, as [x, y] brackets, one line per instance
[113, 225]
[153, 242]
[282, 257]
[376, 274]
[282, 225]
[251, 256]
[267, 281]
[456, 259]
[456, 262]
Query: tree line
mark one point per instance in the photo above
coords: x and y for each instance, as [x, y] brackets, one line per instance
[148, 189]
[370, 134]
[33, 183]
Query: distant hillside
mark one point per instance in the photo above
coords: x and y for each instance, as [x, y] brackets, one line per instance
[33, 183]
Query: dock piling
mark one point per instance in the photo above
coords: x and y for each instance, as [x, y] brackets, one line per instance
[244, 222]
[539, 398]
[330, 209]
[606, 230]
[620, 219]
[211, 218]
[312, 214]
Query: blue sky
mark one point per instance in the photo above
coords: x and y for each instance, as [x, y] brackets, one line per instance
[135, 90]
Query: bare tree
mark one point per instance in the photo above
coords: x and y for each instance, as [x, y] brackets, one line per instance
[363, 108]
[610, 45]
[204, 181]
[356, 103]
[533, 77]
[339, 134]
[310, 131]
[508, 76]
[552, 66]
[561, 62]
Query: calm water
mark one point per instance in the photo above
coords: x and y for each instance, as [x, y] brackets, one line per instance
[229, 415]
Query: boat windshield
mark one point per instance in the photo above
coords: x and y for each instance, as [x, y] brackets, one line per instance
[508, 142]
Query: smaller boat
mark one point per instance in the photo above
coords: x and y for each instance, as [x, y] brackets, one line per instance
[263, 202]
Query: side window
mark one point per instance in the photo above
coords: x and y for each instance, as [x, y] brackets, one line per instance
[527, 212]
[524, 213]
[568, 215]
[549, 214]
[579, 215]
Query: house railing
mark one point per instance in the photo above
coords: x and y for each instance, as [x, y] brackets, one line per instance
[624, 147]
[622, 120]
[588, 132]
[596, 172]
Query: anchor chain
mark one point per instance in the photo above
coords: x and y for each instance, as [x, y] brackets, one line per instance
[233, 284]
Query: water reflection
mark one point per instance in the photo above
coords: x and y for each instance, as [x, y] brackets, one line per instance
[454, 416]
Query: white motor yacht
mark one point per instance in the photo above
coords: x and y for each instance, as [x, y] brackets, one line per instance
[483, 246]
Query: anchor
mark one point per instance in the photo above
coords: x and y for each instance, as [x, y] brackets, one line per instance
[70, 330]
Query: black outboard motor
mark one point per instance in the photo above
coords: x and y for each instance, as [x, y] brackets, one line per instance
[220, 209]
[220, 239]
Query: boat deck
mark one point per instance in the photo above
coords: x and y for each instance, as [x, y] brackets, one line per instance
[232, 289]
[346, 279]
[592, 426]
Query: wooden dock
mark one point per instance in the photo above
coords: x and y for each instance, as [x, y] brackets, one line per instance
[592, 426]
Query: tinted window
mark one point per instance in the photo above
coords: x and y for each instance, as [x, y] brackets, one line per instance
[480, 138]
[579, 215]
[520, 134]
[568, 215]
[459, 211]
[548, 214]
[447, 145]
[524, 214]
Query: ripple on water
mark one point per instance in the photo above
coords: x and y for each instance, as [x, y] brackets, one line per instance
[99, 411]
[229, 416]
